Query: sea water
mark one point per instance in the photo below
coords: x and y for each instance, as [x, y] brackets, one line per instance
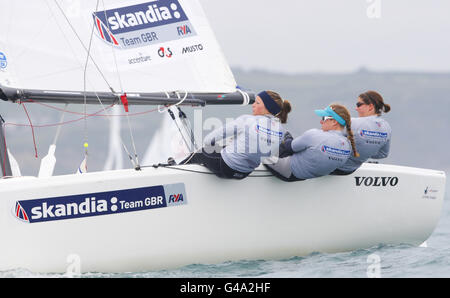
[385, 261]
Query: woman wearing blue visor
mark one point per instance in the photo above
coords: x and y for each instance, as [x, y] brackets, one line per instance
[372, 132]
[253, 138]
[318, 152]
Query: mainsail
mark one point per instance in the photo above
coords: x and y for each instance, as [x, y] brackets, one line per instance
[133, 46]
[93, 52]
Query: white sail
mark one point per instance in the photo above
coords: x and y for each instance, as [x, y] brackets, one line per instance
[134, 46]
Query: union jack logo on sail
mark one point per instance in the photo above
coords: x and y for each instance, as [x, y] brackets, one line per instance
[20, 213]
[104, 31]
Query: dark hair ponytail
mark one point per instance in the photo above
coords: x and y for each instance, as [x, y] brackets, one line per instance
[373, 97]
[285, 106]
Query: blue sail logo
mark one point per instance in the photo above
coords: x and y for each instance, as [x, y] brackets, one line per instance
[3, 61]
[143, 24]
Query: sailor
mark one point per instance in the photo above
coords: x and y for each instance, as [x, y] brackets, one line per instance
[372, 133]
[252, 139]
[317, 152]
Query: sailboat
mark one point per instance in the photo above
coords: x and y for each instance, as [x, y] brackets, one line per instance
[164, 53]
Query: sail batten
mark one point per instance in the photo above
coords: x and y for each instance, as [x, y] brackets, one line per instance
[147, 46]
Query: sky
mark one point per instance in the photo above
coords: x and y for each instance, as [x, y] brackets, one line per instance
[303, 36]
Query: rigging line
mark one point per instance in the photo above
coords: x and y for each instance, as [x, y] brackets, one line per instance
[5, 149]
[198, 171]
[81, 42]
[246, 97]
[109, 117]
[182, 100]
[172, 114]
[50, 125]
[97, 114]
[136, 161]
[32, 130]
[166, 107]
[113, 51]
[68, 44]
[77, 60]
[137, 166]
[192, 137]
[58, 130]
[84, 87]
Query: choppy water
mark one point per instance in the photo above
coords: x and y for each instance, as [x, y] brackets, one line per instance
[380, 261]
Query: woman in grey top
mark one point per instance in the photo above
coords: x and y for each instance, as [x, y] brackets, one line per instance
[372, 133]
[253, 138]
[317, 152]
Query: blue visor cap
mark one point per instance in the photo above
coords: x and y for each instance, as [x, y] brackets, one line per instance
[329, 112]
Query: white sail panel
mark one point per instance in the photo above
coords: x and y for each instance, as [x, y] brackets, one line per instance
[135, 46]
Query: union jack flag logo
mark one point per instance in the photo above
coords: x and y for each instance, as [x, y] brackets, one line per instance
[104, 31]
[20, 213]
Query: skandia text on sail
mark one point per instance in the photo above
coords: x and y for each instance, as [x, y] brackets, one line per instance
[132, 19]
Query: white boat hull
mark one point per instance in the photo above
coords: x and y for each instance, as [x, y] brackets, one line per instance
[218, 220]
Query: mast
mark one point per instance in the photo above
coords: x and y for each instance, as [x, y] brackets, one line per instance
[5, 166]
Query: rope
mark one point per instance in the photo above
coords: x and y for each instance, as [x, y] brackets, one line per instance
[161, 111]
[5, 149]
[113, 51]
[57, 124]
[245, 96]
[185, 96]
[86, 144]
[58, 130]
[136, 165]
[97, 114]
[32, 130]
[81, 42]
[199, 172]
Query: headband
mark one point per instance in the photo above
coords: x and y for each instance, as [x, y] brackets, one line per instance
[269, 103]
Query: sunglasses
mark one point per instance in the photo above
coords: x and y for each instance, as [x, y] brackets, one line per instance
[358, 104]
[327, 118]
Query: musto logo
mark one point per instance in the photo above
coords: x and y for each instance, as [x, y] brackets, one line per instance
[96, 204]
[143, 24]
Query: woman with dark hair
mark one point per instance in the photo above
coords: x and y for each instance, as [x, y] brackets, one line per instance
[253, 138]
[372, 132]
[317, 152]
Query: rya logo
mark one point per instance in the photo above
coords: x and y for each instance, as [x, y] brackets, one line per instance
[184, 30]
[176, 198]
[376, 181]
